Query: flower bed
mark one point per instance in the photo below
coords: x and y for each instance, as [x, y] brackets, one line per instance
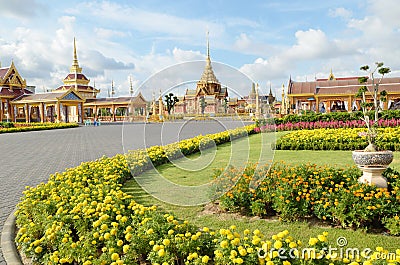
[24, 127]
[332, 195]
[310, 125]
[335, 116]
[81, 216]
[338, 139]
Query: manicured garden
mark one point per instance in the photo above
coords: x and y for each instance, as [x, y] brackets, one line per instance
[9, 127]
[86, 216]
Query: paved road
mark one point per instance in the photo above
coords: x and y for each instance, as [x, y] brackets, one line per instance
[28, 158]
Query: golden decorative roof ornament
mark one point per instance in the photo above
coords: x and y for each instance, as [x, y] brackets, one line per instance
[75, 64]
[208, 74]
[331, 76]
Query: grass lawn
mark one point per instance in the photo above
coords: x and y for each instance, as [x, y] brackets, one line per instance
[198, 169]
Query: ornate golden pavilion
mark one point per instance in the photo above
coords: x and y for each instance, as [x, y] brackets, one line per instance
[208, 92]
[74, 101]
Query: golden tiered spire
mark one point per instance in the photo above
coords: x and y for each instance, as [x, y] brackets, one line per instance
[331, 76]
[208, 74]
[75, 64]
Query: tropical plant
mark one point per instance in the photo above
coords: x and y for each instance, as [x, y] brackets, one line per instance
[378, 98]
[203, 104]
[171, 100]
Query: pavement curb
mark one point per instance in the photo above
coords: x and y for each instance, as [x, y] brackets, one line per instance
[8, 247]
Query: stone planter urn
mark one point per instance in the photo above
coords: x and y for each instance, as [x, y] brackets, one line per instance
[373, 164]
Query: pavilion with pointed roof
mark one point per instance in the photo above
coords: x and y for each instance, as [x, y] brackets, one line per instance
[74, 101]
[208, 97]
[12, 86]
[77, 81]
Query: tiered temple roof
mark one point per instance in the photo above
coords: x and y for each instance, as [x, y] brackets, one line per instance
[77, 80]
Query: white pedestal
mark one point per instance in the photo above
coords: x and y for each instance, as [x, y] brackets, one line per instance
[373, 176]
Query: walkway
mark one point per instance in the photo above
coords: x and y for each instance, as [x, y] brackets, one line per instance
[28, 158]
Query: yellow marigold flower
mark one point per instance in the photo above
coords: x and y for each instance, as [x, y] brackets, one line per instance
[256, 241]
[224, 244]
[238, 261]
[218, 254]
[313, 241]
[166, 242]
[286, 262]
[205, 258]
[270, 262]
[38, 249]
[322, 238]
[278, 244]
[170, 232]
[125, 248]
[161, 252]
[235, 241]
[243, 252]
[120, 243]
[114, 256]
[256, 232]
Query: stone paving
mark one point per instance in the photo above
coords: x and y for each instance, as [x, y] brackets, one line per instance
[28, 158]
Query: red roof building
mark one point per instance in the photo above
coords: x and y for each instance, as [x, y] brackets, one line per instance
[335, 94]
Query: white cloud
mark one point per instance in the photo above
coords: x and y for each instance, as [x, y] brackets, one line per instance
[311, 44]
[146, 21]
[250, 45]
[21, 9]
[103, 33]
[340, 12]
[183, 56]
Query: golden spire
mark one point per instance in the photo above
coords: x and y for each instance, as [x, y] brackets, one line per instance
[208, 44]
[75, 64]
[331, 76]
[112, 88]
[208, 74]
[131, 86]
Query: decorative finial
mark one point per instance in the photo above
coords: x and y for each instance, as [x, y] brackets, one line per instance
[208, 44]
[331, 76]
[131, 86]
[94, 88]
[75, 56]
[75, 64]
[112, 88]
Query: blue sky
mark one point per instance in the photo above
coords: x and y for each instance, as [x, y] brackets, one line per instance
[266, 40]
